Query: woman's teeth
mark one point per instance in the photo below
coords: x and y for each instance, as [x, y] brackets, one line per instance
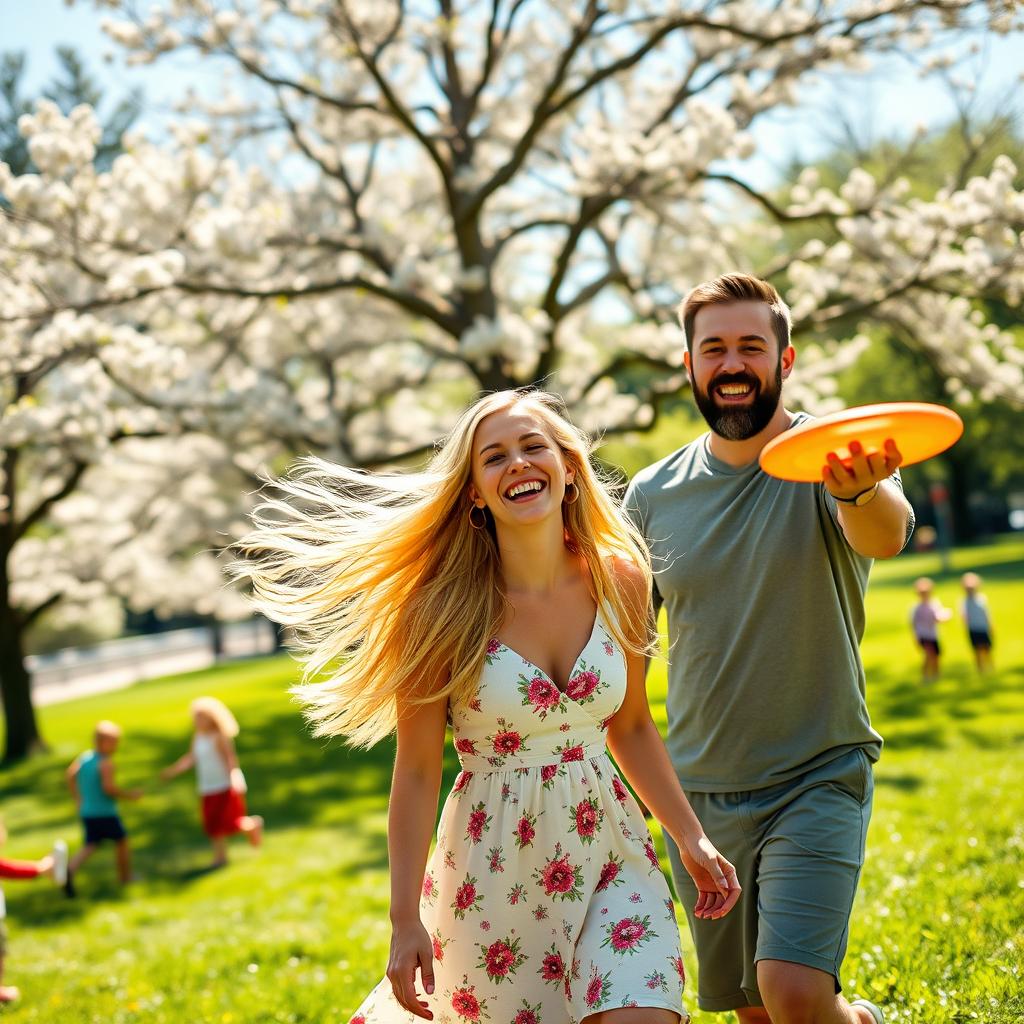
[526, 487]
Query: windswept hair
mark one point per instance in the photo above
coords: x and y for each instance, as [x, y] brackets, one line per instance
[392, 596]
[218, 713]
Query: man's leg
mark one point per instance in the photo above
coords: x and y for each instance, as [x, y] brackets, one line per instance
[811, 856]
[795, 994]
[725, 948]
[81, 857]
[754, 1015]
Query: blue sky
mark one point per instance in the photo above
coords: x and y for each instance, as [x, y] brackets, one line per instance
[893, 100]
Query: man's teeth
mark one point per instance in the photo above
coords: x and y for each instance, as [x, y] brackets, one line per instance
[527, 487]
[733, 389]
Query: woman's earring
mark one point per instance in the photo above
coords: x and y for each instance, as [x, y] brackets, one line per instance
[575, 493]
[483, 517]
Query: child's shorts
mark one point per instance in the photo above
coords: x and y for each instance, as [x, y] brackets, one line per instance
[980, 638]
[222, 813]
[932, 646]
[98, 829]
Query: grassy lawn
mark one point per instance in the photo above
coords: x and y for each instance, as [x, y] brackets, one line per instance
[297, 932]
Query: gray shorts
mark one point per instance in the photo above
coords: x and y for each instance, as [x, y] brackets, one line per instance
[798, 848]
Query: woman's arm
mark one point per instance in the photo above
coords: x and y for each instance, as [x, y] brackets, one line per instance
[640, 752]
[412, 811]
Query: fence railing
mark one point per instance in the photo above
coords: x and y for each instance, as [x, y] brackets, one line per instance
[114, 664]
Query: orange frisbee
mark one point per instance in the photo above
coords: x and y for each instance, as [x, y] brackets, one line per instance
[920, 430]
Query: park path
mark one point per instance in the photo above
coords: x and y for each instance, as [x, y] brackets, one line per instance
[116, 664]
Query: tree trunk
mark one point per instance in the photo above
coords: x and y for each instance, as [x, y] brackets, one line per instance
[16, 686]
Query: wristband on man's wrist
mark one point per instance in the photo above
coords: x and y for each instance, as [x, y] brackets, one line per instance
[860, 499]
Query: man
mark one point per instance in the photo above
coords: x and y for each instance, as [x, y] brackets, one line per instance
[763, 583]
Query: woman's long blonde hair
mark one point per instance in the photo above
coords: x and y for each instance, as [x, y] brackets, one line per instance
[392, 595]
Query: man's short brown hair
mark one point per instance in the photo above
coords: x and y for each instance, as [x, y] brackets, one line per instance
[731, 288]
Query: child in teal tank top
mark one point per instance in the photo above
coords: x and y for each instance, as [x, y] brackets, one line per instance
[91, 780]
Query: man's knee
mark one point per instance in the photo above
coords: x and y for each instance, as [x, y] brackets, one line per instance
[794, 993]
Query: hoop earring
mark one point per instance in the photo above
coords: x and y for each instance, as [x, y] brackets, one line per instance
[473, 522]
[575, 493]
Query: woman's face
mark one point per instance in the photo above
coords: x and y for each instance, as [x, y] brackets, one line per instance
[519, 472]
[203, 722]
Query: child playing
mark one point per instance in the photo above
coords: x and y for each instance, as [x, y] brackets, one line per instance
[974, 611]
[925, 618]
[55, 864]
[91, 780]
[218, 777]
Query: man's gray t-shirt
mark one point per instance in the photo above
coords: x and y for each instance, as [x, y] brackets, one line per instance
[765, 605]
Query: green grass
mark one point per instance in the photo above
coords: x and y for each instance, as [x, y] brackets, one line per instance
[297, 932]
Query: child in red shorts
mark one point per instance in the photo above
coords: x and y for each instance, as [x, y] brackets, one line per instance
[219, 779]
[55, 865]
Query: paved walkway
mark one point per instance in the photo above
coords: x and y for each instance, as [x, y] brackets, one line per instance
[116, 664]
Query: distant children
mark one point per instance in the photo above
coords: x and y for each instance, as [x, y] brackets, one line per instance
[974, 611]
[55, 864]
[219, 779]
[91, 780]
[925, 618]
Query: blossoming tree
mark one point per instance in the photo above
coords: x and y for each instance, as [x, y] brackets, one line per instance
[391, 206]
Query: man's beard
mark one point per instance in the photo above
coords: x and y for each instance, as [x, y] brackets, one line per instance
[739, 424]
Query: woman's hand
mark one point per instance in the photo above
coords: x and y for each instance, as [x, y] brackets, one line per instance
[717, 886]
[411, 948]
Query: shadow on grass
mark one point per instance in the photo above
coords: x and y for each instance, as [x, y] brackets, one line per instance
[1007, 570]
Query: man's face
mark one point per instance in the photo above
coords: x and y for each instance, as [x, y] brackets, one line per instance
[736, 368]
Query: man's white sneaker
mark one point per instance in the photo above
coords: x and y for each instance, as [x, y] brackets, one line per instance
[60, 862]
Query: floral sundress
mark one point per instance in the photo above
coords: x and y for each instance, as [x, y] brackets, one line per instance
[543, 897]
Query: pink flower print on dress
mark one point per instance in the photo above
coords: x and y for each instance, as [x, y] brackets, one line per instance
[583, 686]
[466, 746]
[494, 645]
[479, 823]
[620, 791]
[462, 782]
[466, 1004]
[485, 926]
[680, 967]
[651, 854]
[604, 724]
[610, 870]
[474, 704]
[573, 974]
[629, 934]
[528, 1014]
[516, 894]
[549, 773]
[634, 897]
[656, 980]
[561, 878]
[449, 858]
[540, 912]
[429, 889]
[438, 946]
[466, 898]
[495, 860]
[505, 741]
[501, 959]
[599, 988]
[586, 820]
[525, 830]
[609, 647]
[552, 967]
[570, 752]
[541, 695]
[357, 1019]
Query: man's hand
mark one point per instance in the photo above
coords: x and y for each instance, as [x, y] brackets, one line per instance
[845, 481]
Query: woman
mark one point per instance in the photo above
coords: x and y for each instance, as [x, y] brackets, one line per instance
[503, 592]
